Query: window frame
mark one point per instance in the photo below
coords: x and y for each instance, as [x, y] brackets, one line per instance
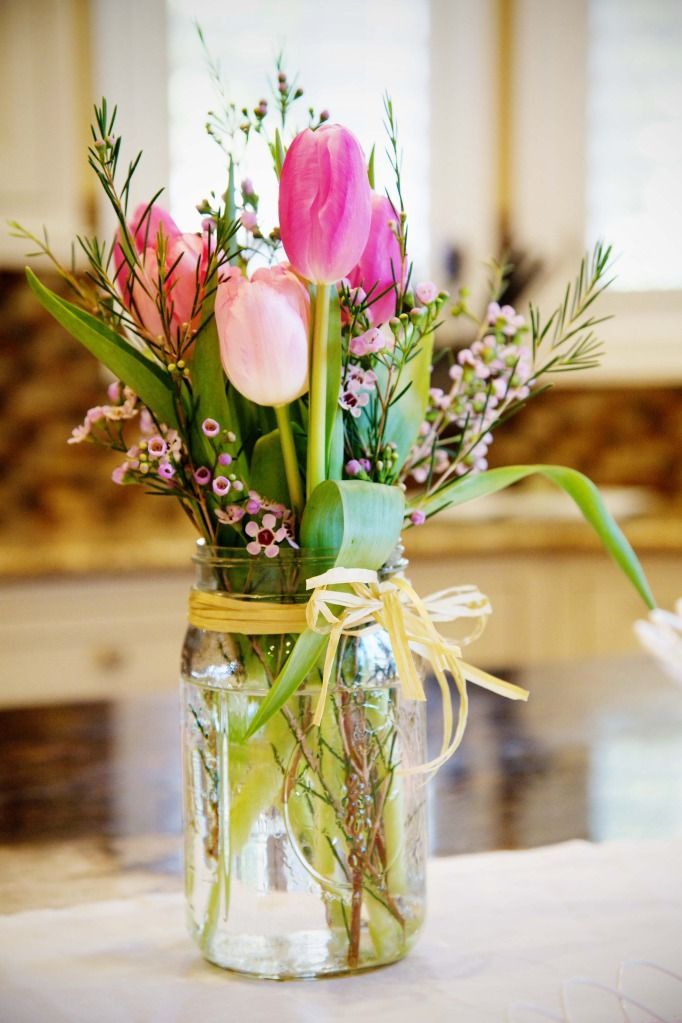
[548, 205]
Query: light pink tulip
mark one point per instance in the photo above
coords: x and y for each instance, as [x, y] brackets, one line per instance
[324, 203]
[378, 268]
[263, 332]
[184, 252]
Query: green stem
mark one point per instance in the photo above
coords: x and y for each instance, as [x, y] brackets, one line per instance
[286, 439]
[317, 432]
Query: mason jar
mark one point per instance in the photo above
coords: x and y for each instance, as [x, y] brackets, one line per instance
[305, 845]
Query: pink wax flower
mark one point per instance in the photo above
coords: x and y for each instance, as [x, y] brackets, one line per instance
[266, 537]
[368, 343]
[324, 203]
[210, 427]
[166, 470]
[418, 518]
[221, 486]
[507, 316]
[119, 474]
[378, 270]
[353, 401]
[156, 447]
[426, 292]
[230, 515]
[263, 332]
[249, 220]
[202, 475]
[186, 254]
[224, 459]
[254, 503]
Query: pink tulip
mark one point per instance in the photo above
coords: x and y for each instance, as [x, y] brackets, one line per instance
[263, 332]
[184, 253]
[324, 203]
[378, 269]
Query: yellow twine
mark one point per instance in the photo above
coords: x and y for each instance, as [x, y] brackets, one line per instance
[366, 602]
[216, 611]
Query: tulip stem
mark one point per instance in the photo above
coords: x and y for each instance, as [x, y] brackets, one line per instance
[286, 439]
[317, 431]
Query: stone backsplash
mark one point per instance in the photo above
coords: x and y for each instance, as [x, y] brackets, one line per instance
[630, 436]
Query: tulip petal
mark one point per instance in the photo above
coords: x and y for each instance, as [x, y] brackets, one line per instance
[145, 229]
[324, 203]
[144, 294]
[378, 268]
[264, 336]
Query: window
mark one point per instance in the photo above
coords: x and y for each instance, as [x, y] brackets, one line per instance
[597, 150]
[634, 138]
[347, 55]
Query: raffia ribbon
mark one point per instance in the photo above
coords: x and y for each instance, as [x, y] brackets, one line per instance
[408, 619]
[367, 602]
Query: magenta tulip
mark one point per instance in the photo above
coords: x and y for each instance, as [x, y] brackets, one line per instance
[324, 203]
[379, 268]
[186, 254]
[263, 332]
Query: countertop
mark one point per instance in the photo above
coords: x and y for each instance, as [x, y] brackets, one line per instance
[90, 863]
[452, 534]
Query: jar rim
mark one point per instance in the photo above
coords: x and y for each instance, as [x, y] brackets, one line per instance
[205, 554]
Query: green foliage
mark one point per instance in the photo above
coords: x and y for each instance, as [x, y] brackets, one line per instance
[208, 385]
[359, 521]
[146, 378]
[302, 660]
[569, 332]
[578, 487]
[267, 475]
[406, 414]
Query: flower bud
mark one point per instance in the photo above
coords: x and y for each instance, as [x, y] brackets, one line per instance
[263, 331]
[324, 203]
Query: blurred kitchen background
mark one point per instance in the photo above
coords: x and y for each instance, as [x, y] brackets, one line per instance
[532, 127]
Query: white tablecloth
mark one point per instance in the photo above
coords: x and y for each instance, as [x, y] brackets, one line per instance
[503, 929]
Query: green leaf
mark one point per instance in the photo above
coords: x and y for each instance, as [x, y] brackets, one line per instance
[208, 385]
[267, 473]
[146, 378]
[406, 415]
[278, 153]
[581, 489]
[300, 663]
[255, 421]
[359, 521]
[370, 168]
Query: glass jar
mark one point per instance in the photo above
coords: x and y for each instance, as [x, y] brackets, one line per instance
[305, 846]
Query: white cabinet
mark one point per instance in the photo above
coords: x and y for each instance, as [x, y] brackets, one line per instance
[551, 606]
[96, 638]
[44, 115]
[90, 638]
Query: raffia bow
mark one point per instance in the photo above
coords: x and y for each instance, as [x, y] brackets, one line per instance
[394, 605]
[364, 601]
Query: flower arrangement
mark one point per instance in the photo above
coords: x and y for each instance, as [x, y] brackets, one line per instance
[277, 384]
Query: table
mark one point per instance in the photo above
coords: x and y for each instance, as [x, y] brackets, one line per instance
[505, 931]
[90, 861]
